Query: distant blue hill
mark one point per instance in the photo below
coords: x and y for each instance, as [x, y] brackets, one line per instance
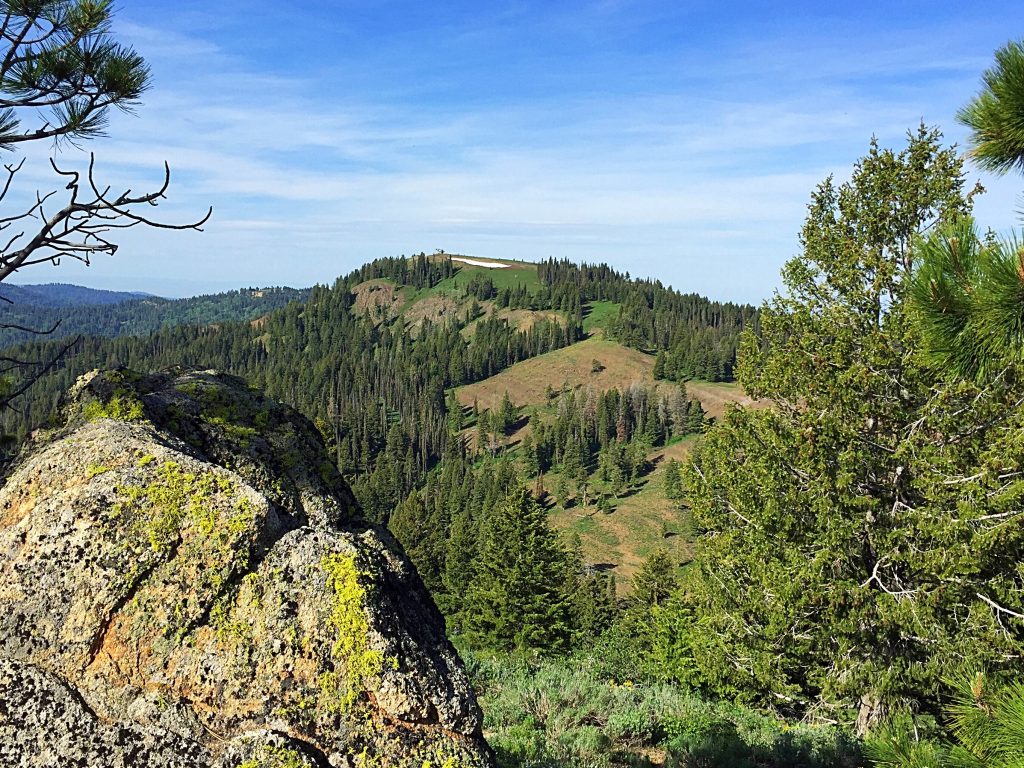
[64, 295]
[70, 310]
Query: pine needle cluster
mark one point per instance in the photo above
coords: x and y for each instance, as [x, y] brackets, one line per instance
[968, 301]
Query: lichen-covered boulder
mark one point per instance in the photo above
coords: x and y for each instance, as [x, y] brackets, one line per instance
[185, 580]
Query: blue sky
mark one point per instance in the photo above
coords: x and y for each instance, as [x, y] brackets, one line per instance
[679, 140]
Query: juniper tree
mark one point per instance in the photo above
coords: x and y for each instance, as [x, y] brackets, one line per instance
[859, 538]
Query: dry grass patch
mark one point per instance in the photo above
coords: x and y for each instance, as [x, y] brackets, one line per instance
[641, 524]
[436, 307]
[381, 300]
[527, 382]
[714, 396]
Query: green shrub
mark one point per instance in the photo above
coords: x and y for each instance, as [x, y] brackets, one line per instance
[562, 713]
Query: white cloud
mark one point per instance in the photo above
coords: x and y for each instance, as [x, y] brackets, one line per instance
[703, 183]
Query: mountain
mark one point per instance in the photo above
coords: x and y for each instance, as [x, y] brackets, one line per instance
[376, 359]
[63, 295]
[128, 315]
[189, 582]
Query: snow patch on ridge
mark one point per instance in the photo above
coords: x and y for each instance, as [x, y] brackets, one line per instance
[475, 263]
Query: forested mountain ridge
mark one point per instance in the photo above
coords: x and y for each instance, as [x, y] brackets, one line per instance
[375, 359]
[72, 310]
[63, 295]
[500, 316]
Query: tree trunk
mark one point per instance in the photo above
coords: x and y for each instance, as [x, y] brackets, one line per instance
[871, 713]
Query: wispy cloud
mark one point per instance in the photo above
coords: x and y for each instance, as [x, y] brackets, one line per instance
[518, 131]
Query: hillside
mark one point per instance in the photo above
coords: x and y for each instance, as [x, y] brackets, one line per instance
[63, 295]
[85, 311]
[471, 291]
[374, 358]
[644, 520]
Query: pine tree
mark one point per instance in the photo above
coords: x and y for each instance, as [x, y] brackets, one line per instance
[695, 417]
[994, 116]
[968, 292]
[517, 596]
[673, 487]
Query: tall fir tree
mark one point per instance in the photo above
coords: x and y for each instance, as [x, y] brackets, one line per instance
[516, 598]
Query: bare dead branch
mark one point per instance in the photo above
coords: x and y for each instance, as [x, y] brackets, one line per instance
[37, 331]
[77, 230]
[5, 401]
[999, 608]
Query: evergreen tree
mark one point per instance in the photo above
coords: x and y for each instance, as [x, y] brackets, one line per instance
[517, 596]
[531, 466]
[695, 417]
[859, 535]
[454, 408]
[412, 527]
[673, 487]
[655, 580]
[506, 416]
[659, 365]
[996, 115]
[969, 293]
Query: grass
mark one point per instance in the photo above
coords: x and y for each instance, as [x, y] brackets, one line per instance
[597, 314]
[714, 396]
[642, 522]
[527, 382]
[516, 274]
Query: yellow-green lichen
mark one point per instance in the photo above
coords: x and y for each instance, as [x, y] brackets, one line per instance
[355, 663]
[439, 756]
[449, 762]
[175, 498]
[95, 469]
[157, 515]
[276, 757]
[228, 628]
[124, 405]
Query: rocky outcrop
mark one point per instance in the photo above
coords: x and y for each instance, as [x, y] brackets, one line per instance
[185, 580]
